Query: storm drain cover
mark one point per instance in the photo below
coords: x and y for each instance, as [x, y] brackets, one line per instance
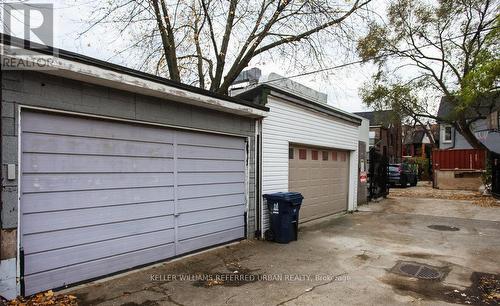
[418, 270]
[439, 227]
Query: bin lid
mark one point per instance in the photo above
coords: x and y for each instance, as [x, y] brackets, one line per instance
[284, 196]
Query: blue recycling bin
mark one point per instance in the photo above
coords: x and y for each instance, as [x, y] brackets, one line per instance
[284, 210]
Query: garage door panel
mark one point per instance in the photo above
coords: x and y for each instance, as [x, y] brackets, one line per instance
[323, 183]
[54, 182]
[67, 125]
[197, 165]
[98, 197]
[41, 143]
[210, 178]
[58, 220]
[58, 163]
[67, 275]
[209, 140]
[198, 191]
[46, 241]
[209, 240]
[52, 201]
[317, 211]
[196, 230]
[189, 205]
[210, 215]
[54, 259]
[191, 151]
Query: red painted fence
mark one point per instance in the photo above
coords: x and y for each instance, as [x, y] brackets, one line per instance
[470, 159]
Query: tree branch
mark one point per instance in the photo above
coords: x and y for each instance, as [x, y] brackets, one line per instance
[167, 37]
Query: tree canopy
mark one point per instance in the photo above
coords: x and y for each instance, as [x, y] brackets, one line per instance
[207, 43]
[425, 51]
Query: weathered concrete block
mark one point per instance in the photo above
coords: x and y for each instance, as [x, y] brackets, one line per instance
[8, 282]
[10, 96]
[9, 153]
[15, 85]
[163, 112]
[8, 110]
[9, 207]
[13, 75]
[8, 126]
[8, 244]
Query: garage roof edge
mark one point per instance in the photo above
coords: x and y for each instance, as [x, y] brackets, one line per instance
[251, 94]
[83, 59]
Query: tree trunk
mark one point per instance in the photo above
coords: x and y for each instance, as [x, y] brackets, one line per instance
[464, 129]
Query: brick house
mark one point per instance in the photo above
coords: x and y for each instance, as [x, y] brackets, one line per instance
[385, 133]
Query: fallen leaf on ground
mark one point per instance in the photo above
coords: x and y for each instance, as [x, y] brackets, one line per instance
[45, 299]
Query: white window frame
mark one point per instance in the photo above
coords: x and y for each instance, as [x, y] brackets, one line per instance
[444, 134]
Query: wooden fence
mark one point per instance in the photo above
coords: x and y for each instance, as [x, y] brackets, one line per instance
[460, 159]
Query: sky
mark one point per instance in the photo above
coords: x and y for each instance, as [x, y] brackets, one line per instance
[70, 17]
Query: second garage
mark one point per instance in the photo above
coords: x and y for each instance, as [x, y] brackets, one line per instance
[307, 146]
[321, 175]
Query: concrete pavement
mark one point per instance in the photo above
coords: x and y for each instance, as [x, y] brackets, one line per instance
[339, 260]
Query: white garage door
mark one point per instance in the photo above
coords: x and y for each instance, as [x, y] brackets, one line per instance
[100, 196]
[322, 176]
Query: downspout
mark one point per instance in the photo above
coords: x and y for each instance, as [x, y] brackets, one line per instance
[262, 100]
[258, 191]
[1, 156]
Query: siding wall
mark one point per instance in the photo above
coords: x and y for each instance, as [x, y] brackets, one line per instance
[290, 123]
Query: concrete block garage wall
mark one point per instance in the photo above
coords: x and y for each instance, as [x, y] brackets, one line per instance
[51, 92]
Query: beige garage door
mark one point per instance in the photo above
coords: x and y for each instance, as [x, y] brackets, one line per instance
[322, 176]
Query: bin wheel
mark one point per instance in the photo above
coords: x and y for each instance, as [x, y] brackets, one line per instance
[269, 235]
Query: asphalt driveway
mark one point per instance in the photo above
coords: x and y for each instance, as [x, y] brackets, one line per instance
[340, 260]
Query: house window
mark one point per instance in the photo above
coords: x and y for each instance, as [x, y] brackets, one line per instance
[290, 153]
[334, 155]
[302, 154]
[325, 155]
[314, 155]
[447, 134]
[343, 156]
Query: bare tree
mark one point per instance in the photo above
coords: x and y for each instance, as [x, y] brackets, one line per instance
[209, 42]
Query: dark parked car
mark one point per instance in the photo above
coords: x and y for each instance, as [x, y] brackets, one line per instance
[402, 174]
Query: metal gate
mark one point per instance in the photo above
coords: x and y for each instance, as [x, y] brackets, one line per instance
[495, 174]
[377, 175]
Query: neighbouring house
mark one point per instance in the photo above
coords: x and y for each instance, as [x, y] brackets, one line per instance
[105, 168]
[487, 130]
[416, 142]
[385, 133]
[306, 146]
[457, 165]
